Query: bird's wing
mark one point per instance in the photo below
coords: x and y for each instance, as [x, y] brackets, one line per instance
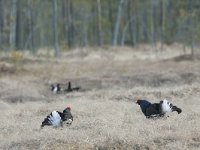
[152, 110]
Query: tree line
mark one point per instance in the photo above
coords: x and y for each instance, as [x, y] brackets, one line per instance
[65, 24]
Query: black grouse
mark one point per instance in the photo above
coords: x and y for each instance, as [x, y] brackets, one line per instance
[70, 89]
[157, 109]
[56, 118]
[56, 89]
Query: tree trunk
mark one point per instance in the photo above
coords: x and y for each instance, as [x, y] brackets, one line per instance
[30, 26]
[192, 28]
[163, 24]
[117, 24]
[124, 33]
[65, 20]
[152, 25]
[110, 16]
[1, 23]
[99, 23]
[55, 28]
[135, 25]
[85, 35]
[70, 30]
[19, 32]
[131, 20]
[146, 34]
[12, 37]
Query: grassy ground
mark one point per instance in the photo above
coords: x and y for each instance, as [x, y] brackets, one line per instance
[105, 115]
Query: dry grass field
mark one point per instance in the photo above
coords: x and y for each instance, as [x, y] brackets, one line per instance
[105, 115]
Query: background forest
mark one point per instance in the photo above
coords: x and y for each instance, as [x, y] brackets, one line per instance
[66, 24]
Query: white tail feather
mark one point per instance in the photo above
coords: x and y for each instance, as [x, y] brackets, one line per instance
[55, 118]
[166, 106]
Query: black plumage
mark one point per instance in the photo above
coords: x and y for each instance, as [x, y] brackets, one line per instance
[56, 118]
[56, 89]
[157, 109]
[70, 89]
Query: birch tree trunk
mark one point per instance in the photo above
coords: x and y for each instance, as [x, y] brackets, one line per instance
[117, 24]
[152, 25]
[192, 28]
[30, 25]
[163, 24]
[1, 23]
[131, 25]
[110, 17]
[70, 30]
[99, 23]
[65, 20]
[19, 31]
[12, 37]
[55, 28]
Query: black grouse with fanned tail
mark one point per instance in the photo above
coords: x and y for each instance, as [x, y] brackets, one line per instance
[56, 118]
[157, 109]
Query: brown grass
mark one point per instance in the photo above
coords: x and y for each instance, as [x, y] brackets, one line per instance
[105, 115]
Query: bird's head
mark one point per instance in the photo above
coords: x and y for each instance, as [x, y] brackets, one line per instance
[137, 100]
[68, 108]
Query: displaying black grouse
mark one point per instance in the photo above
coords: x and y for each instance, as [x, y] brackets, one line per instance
[157, 109]
[56, 118]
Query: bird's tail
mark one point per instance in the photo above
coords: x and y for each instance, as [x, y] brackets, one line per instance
[174, 108]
